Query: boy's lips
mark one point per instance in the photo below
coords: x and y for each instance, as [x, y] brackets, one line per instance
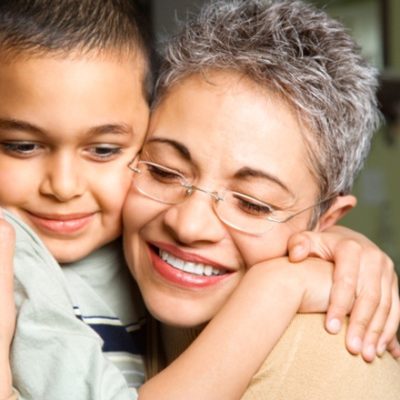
[61, 224]
[185, 269]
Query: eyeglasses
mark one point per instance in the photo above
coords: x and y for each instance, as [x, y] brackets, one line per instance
[237, 210]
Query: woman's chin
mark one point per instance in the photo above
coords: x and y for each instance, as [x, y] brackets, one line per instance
[179, 314]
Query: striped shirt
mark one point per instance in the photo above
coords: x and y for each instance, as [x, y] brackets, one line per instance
[106, 299]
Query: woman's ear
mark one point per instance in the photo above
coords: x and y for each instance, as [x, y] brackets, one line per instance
[340, 207]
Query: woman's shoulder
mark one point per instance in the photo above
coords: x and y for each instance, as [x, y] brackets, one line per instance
[309, 363]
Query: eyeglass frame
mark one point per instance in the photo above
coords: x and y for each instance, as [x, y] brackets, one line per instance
[190, 188]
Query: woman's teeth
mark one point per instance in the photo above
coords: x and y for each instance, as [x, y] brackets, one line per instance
[193, 268]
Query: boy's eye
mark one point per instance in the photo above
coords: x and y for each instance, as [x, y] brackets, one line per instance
[104, 152]
[21, 148]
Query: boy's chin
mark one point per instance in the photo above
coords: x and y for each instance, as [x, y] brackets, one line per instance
[69, 251]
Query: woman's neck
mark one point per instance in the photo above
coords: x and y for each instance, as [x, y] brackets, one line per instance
[175, 340]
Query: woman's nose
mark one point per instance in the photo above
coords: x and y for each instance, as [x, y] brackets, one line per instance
[194, 220]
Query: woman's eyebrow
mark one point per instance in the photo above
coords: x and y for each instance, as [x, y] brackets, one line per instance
[182, 149]
[247, 172]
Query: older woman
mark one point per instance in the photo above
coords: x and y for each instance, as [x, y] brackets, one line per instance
[263, 117]
[249, 144]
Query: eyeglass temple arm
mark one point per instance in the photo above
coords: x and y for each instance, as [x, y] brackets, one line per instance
[134, 169]
[301, 211]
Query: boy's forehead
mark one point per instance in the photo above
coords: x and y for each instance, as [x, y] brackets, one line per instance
[88, 90]
[137, 58]
[128, 63]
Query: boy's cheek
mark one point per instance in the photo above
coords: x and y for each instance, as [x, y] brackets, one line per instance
[13, 187]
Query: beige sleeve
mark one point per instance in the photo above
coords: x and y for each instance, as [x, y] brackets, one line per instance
[310, 364]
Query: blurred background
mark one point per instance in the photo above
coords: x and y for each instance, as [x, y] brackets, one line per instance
[375, 25]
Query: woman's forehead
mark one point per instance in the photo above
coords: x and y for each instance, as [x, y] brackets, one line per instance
[228, 121]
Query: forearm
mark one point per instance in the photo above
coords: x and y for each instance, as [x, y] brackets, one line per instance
[222, 360]
[7, 307]
[5, 376]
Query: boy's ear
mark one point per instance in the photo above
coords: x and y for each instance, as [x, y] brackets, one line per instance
[341, 206]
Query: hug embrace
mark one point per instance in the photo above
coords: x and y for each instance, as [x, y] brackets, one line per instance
[225, 183]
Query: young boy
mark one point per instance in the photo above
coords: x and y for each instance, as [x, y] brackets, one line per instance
[74, 82]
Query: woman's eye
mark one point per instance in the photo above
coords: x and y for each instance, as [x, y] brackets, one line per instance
[21, 148]
[163, 175]
[104, 152]
[253, 207]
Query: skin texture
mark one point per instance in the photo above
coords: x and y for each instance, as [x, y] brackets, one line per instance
[249, 131]
[68, 130]
[7, 242]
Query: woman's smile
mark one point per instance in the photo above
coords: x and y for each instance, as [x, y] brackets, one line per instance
[185, 270]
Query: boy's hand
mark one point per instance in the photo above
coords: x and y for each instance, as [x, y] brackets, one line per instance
[364, 283]
[7, 306]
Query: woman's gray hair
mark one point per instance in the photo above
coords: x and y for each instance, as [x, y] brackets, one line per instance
[300, 53]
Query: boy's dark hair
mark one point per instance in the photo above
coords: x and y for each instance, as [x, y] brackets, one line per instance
[30, 28]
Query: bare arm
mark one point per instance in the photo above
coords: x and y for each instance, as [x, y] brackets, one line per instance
[7, 309]
[222, 360]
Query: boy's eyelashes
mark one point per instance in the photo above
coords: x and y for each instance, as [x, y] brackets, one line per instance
[21, 148]
[97, 152]
[104, 152]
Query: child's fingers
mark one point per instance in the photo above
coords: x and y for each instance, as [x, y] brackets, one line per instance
[379, 321]
[344, 287]
[364, 281]
[299, 246]
[388, 339]
[365, 306]
[307, 244]
[394, 348]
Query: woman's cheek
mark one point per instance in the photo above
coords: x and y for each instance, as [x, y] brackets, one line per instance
[256, 249]
[141, 212]
[134, 211]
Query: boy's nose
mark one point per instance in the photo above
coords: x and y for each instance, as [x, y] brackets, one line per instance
[63, 179]
[194, 221]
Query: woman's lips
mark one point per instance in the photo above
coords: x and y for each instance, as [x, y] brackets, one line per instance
[61, 224]
[189, 279]
[173, 250]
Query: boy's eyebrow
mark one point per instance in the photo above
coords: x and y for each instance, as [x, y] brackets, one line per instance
[117, 129]
[18, 125]
[246, 172]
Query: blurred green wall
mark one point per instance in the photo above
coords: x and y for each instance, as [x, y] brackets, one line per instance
[378, 187]
[378, 191]
[394, 18]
